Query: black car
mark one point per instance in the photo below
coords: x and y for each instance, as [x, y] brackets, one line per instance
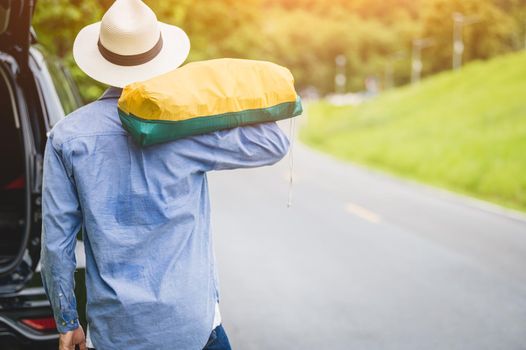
[35, 93]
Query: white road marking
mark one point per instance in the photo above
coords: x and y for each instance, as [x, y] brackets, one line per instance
[363, 213]
[286, 176]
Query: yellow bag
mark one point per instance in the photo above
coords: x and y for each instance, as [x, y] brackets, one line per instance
[206, 96]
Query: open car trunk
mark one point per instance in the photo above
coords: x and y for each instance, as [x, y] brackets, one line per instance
[12, 179]
[16, 146]
[16, 155]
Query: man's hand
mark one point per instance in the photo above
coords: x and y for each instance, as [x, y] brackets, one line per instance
[70, 339]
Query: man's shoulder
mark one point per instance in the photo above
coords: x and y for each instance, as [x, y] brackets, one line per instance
[95, 118]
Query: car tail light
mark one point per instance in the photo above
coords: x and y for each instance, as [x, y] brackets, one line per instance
[40, 324]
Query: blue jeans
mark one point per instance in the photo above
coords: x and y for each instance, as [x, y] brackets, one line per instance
[218, 340]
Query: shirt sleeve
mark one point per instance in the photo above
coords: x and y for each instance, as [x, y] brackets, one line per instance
[243, 147]
[60, 224]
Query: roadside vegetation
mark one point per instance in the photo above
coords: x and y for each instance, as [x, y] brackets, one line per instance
[308, 35]
[464, 131]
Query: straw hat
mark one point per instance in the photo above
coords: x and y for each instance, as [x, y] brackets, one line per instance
[129, 45]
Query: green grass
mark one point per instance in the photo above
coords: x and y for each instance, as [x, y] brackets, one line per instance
[464, 131]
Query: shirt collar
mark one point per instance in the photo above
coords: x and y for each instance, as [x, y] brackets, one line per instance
[111, 92]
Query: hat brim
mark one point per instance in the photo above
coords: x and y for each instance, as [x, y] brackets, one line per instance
[175, 50]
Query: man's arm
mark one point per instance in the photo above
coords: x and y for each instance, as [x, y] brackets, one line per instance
[243, 147]
[62, 220]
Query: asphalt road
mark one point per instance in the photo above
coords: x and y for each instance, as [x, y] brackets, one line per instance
[363, 261]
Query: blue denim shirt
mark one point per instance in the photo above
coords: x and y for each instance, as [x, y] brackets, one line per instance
[145, 218]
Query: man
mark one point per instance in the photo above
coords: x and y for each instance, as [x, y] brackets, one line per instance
[144, 212]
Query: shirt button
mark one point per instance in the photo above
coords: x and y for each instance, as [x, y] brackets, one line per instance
[63, 323]
[72, 321]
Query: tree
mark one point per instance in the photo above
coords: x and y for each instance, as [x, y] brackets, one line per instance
[57, 23]
[489, 36]
[307, 35]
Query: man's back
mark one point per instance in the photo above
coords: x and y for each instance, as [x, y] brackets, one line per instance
[151, 279]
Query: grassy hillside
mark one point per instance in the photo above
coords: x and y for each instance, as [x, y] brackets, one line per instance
[465, 131]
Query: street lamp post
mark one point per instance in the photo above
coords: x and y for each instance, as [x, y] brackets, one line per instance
[389, 68]
[416, 65]
[340, 80]
[459, 22]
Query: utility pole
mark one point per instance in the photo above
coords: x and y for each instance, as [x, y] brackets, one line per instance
[416, 65]
[459, 22]
[389, 68]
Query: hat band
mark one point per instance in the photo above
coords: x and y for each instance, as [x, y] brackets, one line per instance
[131, 60]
